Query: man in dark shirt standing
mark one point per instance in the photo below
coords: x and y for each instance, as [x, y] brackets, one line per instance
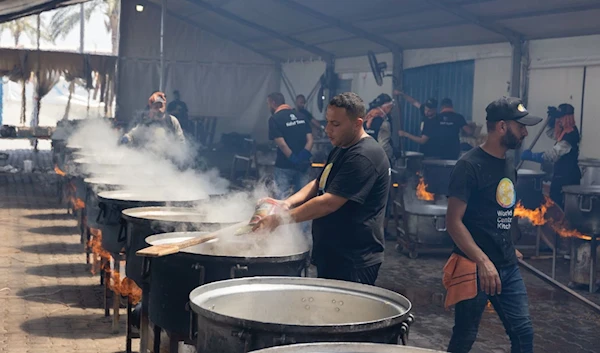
[179, 109]
[347, 201]
[480, 213]
[292, 134]
[301, 108]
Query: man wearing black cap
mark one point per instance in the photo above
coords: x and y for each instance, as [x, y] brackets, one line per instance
[565, 152]
[429, 125]
[484, 263]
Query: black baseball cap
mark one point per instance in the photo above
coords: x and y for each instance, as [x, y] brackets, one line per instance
[566, 109]
[431, 103]
[510, 108]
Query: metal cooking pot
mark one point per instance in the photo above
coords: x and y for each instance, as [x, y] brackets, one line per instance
[582, 207]
[242, 315]
[145, 221]
[344, 348]
[437, 175]
[590, 171]
[112, 203]
[408, 164]
[424, 225]
[581, 260]
[173, 277]
[530, 188]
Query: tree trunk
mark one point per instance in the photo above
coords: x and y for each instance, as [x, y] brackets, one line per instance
[114, 33]
[23, 102]
[96, 85]
[68, 108]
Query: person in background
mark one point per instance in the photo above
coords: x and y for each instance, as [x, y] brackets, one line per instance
[292, 134]
[179, 109]
[428, 126]
[154, 122]
[484, 264]
[565, 152]
[347, 201]
[301, 108]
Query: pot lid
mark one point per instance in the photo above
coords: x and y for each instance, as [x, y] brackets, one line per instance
[582, 189]
[440, 162]
[338, 347]
[249, 246]
[427, 210]
[151, 195]
[178, 214]
[300, 304]
[524, 172]
[589, 162]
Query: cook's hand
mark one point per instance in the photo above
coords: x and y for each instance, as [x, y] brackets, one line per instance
[489, 279]
[269, 223]
[398, 93]
[402, 133]
[519, 255]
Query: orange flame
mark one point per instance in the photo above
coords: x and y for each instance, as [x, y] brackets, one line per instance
[422, 193]
[538, 217]
[125, 287]
[58, 171]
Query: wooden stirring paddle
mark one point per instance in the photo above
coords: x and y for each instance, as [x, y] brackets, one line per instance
[168, 249]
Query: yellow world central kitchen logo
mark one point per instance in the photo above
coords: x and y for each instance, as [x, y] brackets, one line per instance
[505, 193]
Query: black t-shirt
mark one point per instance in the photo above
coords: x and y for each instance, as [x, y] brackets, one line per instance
[567, 167]
[487, 185]
[353, 235]
[444, 135]
[373, 129]
[293, 127]
[306, 113]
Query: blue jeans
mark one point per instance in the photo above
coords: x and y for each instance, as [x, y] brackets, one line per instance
[286, 179]
[512, 308]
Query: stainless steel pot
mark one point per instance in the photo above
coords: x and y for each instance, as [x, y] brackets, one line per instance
[145, 221]
[582, 207]
[581, 260]
[530, 188]
[173, 277]
[112, 203]
[437, 175]
[424, 225]
[242, 315]
[590, 171]
[344, 348]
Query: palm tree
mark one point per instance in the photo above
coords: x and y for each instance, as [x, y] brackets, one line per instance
[65, 19]
[22, 26]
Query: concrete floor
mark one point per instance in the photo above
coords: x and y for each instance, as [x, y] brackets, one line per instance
[51, 303]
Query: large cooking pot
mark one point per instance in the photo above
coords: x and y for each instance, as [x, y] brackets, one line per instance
[437, 175]
[581, 260]
[242, 315]
[145, 221]
[408, 164]
[112, 203]
[582, 207]
[173, 277]
[590, 171]
[530, 188]
[424, 225]
[344, 348]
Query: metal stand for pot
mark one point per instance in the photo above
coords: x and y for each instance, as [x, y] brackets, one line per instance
[593, 253]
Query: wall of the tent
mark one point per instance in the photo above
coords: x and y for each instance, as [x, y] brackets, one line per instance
[556, 75]
[215, 77]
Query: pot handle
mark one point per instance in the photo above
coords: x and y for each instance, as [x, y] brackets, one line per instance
[238, 271]
[102, 208]
[436, 220]
[585, 209]
[405, 330]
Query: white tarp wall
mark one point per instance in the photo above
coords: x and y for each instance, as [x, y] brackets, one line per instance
[556, 76]
[215, 77]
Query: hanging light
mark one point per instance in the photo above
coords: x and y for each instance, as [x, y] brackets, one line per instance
[139, 8]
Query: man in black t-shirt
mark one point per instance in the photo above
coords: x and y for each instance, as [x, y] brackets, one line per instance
[179, 109]
[292, 134]
[480, 214]
[347, 201]
[301, 108]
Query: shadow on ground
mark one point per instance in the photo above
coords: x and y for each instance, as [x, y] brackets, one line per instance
[60, 270]
[86, 297]
[94, 326]
[55, 230]
[54, 249]
[50, 216]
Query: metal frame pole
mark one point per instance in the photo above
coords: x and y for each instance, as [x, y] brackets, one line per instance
[163, 15]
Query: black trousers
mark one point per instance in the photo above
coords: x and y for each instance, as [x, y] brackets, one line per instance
[330, 270]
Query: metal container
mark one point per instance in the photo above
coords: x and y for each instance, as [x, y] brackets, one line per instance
[590, 171]
[145, 221]
[530, 188]
[424, 225]
[173, 277]
[242, 315]
[582, 207]
[408, 164]
[581, 260]
[345, 348]
[437, 175]
[112, 203]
